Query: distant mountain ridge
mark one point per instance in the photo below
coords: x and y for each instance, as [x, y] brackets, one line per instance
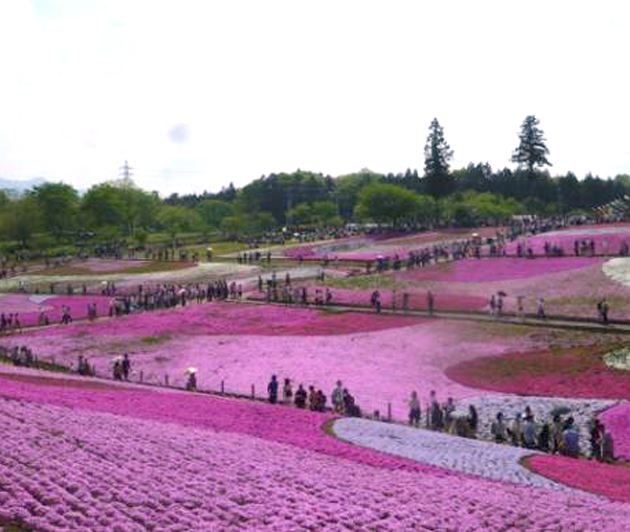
[20, 186]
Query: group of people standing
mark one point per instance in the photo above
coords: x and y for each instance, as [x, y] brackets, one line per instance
[122, 368]
[561, 436]
[314, 399]
[18, 355]
[10, 322]
[443, 417]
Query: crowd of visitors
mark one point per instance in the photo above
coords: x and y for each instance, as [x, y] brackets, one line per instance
[18, 356]
[312, 399]
[165, 296]
[559, 436]
[121, 368]
[253, 257]
[10, 322]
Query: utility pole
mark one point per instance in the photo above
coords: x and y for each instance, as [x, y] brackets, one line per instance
[126, 173]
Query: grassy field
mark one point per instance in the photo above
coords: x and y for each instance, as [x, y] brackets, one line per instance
[152, 267]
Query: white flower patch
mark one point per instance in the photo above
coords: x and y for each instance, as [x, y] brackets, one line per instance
[582, 411]
[486, 459]
[618, 270]
[618, 359]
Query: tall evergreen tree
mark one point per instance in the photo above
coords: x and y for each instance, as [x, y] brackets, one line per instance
[437, 154]
[532, 150]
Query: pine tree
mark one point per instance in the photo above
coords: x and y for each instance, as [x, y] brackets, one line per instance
[532, 150]
[437, 153]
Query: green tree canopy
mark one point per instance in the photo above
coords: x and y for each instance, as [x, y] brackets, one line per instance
[20, 219]
[347, 188]
[102, 205]
[138, 208]
[212, 212]
[386, 203]
[58, 204]
[177, 219]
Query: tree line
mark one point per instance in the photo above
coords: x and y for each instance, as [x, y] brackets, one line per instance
[53, 212]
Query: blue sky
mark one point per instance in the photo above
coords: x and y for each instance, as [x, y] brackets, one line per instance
[196, 94]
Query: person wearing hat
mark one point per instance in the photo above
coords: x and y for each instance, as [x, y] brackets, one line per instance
[191, 385]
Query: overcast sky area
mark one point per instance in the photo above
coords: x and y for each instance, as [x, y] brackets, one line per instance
[196, 94]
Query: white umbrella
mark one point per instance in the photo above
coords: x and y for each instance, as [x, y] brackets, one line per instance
[191, 370]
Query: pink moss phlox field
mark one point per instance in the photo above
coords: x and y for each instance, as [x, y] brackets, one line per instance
[495, 269]
[607, 238]
[596, 382]
[21, 303]
[293, 426]
[377, 367]
[234, 319]
[617, 421]
[587, 475]
[134, 475]
[52, 306]
[569, 292]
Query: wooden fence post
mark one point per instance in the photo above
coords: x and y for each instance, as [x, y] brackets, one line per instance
[222, 387]
[389, 411]
[253, 392]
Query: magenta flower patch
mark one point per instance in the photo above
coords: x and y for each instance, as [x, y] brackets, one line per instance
[587, 475]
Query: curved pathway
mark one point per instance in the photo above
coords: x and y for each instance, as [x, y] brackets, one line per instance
[486, 459]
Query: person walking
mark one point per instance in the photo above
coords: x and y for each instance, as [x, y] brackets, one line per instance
[287, 392]
[337, 398]
[300, 397]
[498, 429]
[414, 410]
[405, 302]
[126, 366]
[272, 390]
[602, 310]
